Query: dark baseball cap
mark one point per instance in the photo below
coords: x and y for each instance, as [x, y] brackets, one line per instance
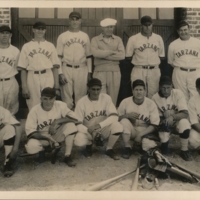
[137, 83]
[75, 14]
[39, 25]
[182, 23]
[94, 81]
[48, 92]
[5, 28]
[146, 20]
[198, 83]
[165, 80]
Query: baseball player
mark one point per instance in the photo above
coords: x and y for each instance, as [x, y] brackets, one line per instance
[9, 138]
[145, 49]
[38, 63]
[73, 47]
[50, 123]
[99, 120]
[9, 87]
[194, 113]
[108, 50]
[139, 117]
[173, 113]
[184, 56]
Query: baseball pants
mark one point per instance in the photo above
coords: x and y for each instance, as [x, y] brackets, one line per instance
[83, 139]
[76, 84]
[9, 90]
[185, 81]
[194, 139]
[34, 146]
[150, 77]
[36, 83]
[110, 83]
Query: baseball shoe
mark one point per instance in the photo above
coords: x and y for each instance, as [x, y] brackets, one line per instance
[68, 160]
[8, 171]
[88, 151]
[54, 154]
[185, 155]
[111, 154]
[127, 153]
[41, 157]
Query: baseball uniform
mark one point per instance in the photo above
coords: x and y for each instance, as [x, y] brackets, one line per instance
[148, 115]
[40, 120]
[184, 56]
[74, 49]
[38, 58]
[146, 53]
[9, 88]
[107, 67]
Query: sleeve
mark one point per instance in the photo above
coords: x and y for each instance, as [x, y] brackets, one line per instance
[182, 105]
[60, 46]
[162, 48]
[130, 47]
[54, 58]
[88, 48]
[192, 112]
[154, 116]
[8, 118]
[170, 55]
[121, 109]
[23, 59]
[31, 123]
[17, 57]
[79, 111]
[66, 112]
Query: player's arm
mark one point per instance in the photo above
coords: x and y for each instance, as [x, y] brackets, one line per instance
[130, 116]
[170, 55]
[56, 80]
[25, 91]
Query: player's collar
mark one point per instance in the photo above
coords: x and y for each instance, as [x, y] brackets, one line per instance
[161, 95]
[101, 36]
[33, 40]
[138, 103]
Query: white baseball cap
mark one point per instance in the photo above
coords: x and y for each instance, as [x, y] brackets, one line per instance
[108, 22]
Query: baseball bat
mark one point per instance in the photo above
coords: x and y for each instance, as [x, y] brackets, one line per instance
[135, 180]
[102, 184]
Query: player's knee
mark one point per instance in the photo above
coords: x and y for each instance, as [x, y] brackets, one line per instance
[80, 139]
[194, 139]
[164, 136]
[116, 127]
[183, 125]
[34, 146]
[69, 128]
[148, 144]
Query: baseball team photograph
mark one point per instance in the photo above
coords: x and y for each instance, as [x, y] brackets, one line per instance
[100, 99]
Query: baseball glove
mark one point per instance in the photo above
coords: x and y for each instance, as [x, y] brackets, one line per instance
[98, 140]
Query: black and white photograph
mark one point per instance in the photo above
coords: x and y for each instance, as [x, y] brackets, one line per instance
[100, 98]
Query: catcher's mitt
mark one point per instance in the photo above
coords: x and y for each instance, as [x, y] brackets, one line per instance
[98, 140]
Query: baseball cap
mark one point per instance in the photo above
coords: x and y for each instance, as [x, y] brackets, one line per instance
[94, 81]
[146, 20]
[165, 80]
[182, 23]
[138, 82]
[48, 92]
[108, 22]
[198, 83]
[5, 28]
[39, 25]
[75, 14]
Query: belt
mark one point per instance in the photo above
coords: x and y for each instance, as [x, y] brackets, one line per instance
[72, 66]
[40, 72]
[4, 79]
[148, 67]
[187, 70]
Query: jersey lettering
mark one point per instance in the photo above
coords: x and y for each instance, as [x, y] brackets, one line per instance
[169, 107]
[40, 51]
[44, 124]
[95, 114]
[75, 40]
[148, 46]
[6, 60]
[143, 118]
[187, 52]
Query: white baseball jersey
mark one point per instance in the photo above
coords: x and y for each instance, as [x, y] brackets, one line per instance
[174, 103]
[39, 120]
[184, 53]
[95, 112]
[8, 62]
[148, 112]
[145, 51]
[73, 47]
[194, 109]
[38, 56]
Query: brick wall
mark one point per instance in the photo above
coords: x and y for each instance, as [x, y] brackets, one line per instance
[193, 18]
[5, 17]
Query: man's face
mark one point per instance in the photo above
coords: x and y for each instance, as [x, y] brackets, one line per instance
[39, 32]
[94, 92]
[139, 92]
[74, 23]
[184, 32]
[5, 37]
[165, 90]
[47, 102]
[108, 30]
[147, 29]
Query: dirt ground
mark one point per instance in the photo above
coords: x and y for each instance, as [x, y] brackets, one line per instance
[31, 176]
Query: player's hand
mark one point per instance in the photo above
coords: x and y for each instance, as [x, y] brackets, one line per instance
[25, 93]
[132, 115]
[58, 92]
[95, 128]
[89, 77]
[53, 127]
[169, 121]
[62, 79]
